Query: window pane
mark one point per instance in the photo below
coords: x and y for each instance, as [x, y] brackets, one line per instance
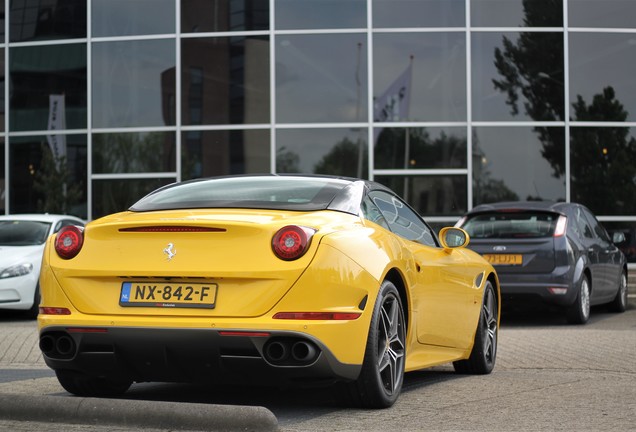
[437, 87]
[216, 153]
[518, 163]
[320, 14]
[322, 151]
[3, 183]
[46, 20]
[419, 13]
[39, 72]
[2, 93]
[112, 196]
[223, 15]
[602, 71]
[225, 80]
[602, 13]
[134, 152]
[132, 17]
[2, 22]
[321, 78]
[431, 195]
[425, 148]
[603, 161]
[41, 183]
[133, 83]
[516, 13]
[518, 76]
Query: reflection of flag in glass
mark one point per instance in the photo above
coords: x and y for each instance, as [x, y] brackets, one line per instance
[57, 121]
[393, 105]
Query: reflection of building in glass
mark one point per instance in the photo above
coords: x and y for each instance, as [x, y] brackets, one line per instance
[528, 109]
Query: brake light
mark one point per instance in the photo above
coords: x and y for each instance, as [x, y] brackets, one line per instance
[69, 241]
[291, 242]
[561, 224]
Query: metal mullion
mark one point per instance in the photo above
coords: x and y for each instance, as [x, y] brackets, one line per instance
[89, 112]
[469, 111]
[7, 180]
[566, 103]
[272, 87]
[370, 73]
[178, 90]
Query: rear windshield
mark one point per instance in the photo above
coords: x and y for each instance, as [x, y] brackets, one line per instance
[286, 193]
[23, 233]
[511, 225]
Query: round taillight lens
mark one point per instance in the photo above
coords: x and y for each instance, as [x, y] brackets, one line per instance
[69, 241]
[291, 242]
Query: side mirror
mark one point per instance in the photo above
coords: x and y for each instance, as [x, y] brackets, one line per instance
[453, 237]
[618, 237]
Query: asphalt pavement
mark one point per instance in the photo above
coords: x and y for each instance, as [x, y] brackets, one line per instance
[30, 395]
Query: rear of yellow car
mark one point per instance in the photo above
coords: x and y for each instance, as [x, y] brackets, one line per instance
[203, 296]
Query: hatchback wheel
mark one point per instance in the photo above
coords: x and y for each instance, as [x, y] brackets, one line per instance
[619, 304]
[579, 311]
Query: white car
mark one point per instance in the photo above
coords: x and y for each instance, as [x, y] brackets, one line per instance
[22, 239]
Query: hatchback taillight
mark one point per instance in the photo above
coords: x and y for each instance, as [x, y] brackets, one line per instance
[69, 241]
[561, 225]
[291, 242]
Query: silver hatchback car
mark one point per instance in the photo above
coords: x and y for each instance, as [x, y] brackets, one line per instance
[555, 251]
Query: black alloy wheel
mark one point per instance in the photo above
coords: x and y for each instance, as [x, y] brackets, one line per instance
[382, 374]
[484, 353]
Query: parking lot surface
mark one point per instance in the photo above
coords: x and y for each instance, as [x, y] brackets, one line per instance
[549, 376]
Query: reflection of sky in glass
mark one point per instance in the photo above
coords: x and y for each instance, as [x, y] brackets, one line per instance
[419, 13]
[320, 79]
[127, 84]
[513, 155]
[320, 14]
[602, 13]
[601, 60]
[132, 17]
[439, 72]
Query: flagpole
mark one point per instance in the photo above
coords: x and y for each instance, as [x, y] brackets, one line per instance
[358, 85]
[407, 138]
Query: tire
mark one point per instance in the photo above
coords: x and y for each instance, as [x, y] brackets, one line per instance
[484, 353]
[619, 304]
[80, 384]
[579, 311]
[382, 374]
[32, 313]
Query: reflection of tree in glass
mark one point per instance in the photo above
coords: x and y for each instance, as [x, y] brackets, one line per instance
[129, 153]
[60, 191]
[603, 173]
[286, 161]
[533, 67]
[342, 160]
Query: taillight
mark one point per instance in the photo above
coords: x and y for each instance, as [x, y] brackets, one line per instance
[291, 242]
[561, 224]
[69, 241]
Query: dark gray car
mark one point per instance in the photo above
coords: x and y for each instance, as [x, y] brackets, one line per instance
[555, 251]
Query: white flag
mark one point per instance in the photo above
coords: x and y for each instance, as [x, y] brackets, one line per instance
[57, 121]
[393, 105]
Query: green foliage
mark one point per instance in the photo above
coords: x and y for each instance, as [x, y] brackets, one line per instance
[53, 181]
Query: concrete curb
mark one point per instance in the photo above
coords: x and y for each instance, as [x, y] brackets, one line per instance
[136, 413]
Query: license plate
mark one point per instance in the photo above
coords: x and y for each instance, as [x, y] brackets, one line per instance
[504, 259]
[168, 295]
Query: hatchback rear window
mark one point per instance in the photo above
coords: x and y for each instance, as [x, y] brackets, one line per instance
[511, 225]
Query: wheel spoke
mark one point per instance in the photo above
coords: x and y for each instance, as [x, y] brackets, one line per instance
[390, 344]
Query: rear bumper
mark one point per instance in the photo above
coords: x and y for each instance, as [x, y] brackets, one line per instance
[539, 286]
[193, 355]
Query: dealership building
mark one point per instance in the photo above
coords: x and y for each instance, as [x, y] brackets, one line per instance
[452, 103]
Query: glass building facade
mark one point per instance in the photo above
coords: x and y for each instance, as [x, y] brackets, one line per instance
[452, 103]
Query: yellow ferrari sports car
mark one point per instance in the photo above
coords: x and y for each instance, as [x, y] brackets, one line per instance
[273, 279]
